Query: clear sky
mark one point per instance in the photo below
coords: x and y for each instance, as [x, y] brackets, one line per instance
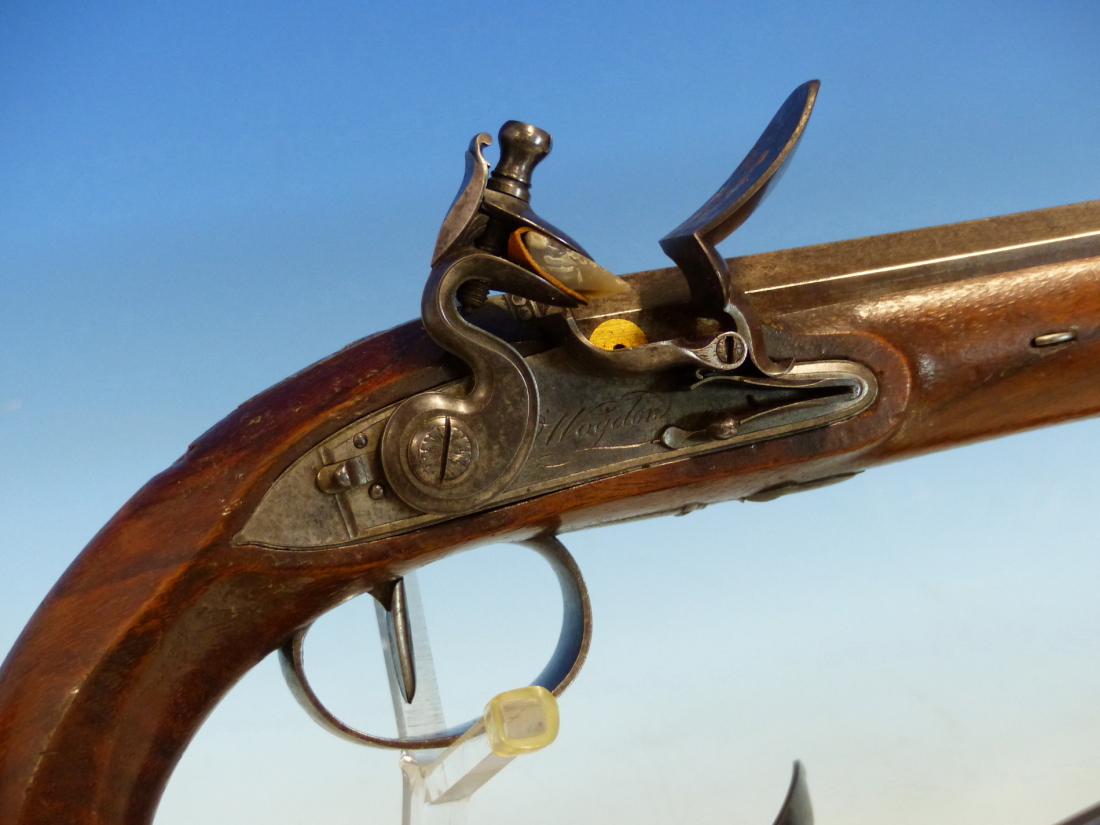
[198, 199]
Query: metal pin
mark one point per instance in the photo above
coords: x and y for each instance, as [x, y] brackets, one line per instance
[1053, 338]
[397, 623]
[724, 428]
[336, 478]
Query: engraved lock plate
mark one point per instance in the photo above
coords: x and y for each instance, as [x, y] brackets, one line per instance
[589, 427]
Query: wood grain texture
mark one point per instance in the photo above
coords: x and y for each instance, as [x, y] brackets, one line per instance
[161, 614]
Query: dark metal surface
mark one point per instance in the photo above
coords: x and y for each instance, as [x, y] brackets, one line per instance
[516, 213]
[497, 415]
[522, 148]
[724, 351]
[467, 202]
[796, 808]
[1089, 816]
[564, 665]
[486, 209]
[743, 191]
[692, 244]
[401, 640]
[588, 426]
[343, 475]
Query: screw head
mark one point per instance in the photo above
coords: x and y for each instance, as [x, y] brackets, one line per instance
[443, 451]
[723, 428]
[376, 491]
[360, 441]
[342, 478]
[730, 349]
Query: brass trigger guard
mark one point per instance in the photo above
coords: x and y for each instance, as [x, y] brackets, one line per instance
[564, 665]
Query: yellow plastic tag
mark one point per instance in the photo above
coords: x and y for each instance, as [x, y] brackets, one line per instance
[521, 721]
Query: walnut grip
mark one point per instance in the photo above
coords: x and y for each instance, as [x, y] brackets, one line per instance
[161, 614]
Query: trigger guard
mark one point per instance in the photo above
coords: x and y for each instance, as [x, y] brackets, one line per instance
[564, 665]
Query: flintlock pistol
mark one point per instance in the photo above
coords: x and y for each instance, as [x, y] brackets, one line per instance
[538, 394]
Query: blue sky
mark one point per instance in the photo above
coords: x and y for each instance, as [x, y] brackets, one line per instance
[199, 199]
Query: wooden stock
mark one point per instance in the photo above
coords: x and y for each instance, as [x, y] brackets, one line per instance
[161, 614]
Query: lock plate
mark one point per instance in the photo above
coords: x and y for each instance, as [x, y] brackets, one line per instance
[589, 427]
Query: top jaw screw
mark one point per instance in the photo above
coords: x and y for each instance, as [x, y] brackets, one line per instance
[522, 148]
[473, 294]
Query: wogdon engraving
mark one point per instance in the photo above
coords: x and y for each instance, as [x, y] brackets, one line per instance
[631, 420]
